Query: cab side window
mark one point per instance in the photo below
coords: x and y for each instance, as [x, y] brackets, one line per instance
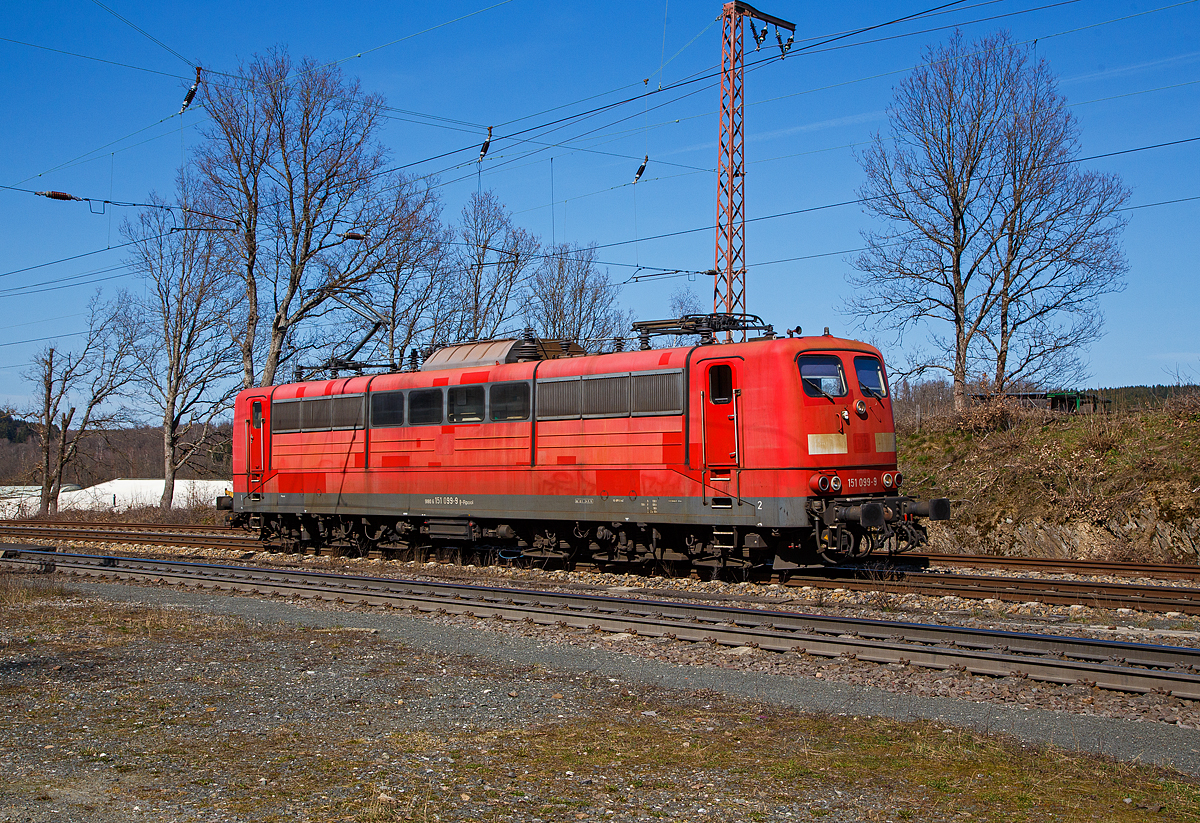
[720, 383]
[510, 401]
[387, 409]
[466, 404]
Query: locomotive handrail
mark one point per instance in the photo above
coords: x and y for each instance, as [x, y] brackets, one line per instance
[703, 451]
[737, 445]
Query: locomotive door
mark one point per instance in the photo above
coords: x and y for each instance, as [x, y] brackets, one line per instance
[258, 428]
[722, 448]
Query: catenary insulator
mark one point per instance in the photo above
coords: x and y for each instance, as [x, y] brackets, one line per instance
[191, 93]
[641, 169]
[57, 195]
[486, 144]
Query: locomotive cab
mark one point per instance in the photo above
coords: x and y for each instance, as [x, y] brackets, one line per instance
[846, 415]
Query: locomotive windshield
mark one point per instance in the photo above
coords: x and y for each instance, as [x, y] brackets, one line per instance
[870, 376]
[822, 375]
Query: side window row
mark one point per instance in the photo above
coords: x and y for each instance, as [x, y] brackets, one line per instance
[612, 395]
[414, 407]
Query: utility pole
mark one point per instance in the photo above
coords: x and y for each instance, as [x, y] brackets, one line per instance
[729, 278]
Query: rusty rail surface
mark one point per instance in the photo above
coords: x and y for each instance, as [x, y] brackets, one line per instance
[100, 525]
[1051, 564]
[143, 534]
[1049, 590]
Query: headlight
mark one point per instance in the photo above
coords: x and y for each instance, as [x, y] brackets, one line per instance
[835, 483]
[887, 480]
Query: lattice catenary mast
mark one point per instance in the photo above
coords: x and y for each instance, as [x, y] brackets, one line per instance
[729, 278]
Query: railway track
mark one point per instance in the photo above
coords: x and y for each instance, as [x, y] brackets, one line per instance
[55, 529]
[1115, 665]
[207, 537]
[1054, 591]
[1052, 564]
[100, 526]
[886, 579]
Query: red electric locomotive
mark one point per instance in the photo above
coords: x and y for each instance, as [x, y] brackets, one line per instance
[771, 452]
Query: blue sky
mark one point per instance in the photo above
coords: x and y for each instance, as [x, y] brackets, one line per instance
[96, 129]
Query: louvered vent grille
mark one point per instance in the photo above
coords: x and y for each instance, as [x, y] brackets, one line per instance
[657, 393]
[285, 417]
[558, 399]
[348, 412]
[606, 396]
[315, 415]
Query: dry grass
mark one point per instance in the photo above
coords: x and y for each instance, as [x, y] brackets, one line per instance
[915, 767]
[20, 589]
[34, 608]
[203, 514]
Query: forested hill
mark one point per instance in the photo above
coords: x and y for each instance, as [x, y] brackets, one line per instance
[15, 430]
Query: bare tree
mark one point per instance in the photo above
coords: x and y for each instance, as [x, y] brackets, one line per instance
[990, 234]
[183, 358]
[414, 292]
[683, 301]
[292, 153]
[571, 298]
[77, 389]
[232, 163]
[934, 185]
[1059, 245]
[493, 259]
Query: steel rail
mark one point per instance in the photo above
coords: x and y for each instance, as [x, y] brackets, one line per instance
[100, 526]
[1113, 567]
[1056, 591]
[155, 536]
[908, 559]
[1109, 664]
